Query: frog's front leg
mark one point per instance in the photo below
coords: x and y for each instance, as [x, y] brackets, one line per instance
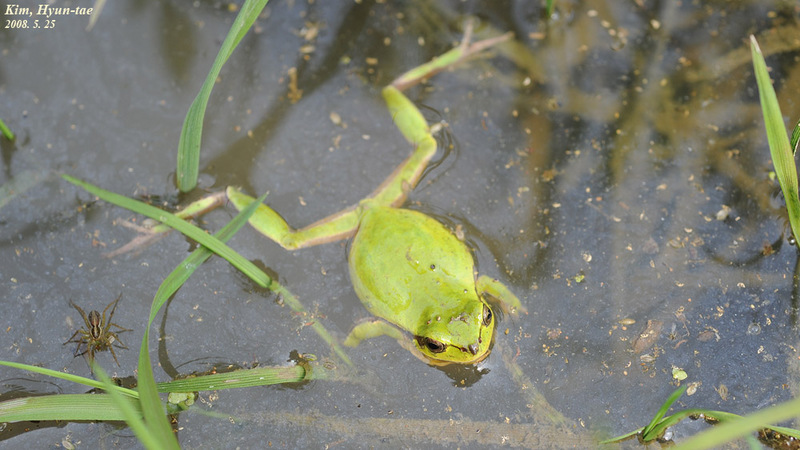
[501, 294]
[372, 328]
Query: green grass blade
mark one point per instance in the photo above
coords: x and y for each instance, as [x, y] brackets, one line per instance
[152, 407]
[154, 431]
[779, 147]
[621, 438]
[673, 419]
[247, 267]
[549, 4]
[180, 274]
[194, 209]
[260, 376]
[191, 134]
[205, 239]
[155, 413]
[721, 416]
[266, 375]
[5, 131]
[733, 429]
[795, 137]
[132, 415]
[68, 377]
[64, 407]
[651, 431]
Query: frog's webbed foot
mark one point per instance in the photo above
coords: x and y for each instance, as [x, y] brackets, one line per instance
[464, 51]
[147, 237]
[152, 233]
[477, 47]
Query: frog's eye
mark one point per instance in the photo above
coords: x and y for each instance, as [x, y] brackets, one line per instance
[432, 345]
[487, 316]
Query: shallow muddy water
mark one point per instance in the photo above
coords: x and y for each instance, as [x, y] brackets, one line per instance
[609, 164]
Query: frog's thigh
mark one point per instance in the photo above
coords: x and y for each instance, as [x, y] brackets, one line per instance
[499, 291]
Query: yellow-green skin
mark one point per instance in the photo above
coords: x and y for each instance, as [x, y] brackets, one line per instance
[410, 270]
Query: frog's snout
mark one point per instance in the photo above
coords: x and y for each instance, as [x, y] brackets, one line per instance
[473, 348]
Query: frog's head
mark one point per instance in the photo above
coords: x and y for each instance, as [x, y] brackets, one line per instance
[461, 336]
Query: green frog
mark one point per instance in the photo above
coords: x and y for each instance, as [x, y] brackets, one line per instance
[411, 272]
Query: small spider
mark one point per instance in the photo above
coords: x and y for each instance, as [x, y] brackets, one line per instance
[97, 336]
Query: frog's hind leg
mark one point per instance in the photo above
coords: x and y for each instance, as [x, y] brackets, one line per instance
[408, 118]
[268, 222]
[393, 191]
[149, 235]
[451, 58]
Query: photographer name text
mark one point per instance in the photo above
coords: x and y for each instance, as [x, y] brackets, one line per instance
[16, 16]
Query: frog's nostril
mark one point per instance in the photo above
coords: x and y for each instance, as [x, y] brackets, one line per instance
[473, 348]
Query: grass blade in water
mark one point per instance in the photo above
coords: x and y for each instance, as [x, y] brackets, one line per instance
[260, 376]
[730, 430]
[779, 147]
[652, 430]
[152, 407]
[795, 137]
[205, 239]
[67, 377]
[132, 414]
[5, 131]
[64, 407]
[245, 266]
[192, 132]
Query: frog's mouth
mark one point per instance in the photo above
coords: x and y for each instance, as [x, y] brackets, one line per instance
[442, 363]
[472, 349]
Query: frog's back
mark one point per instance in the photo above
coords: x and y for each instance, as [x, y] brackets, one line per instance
[407, 267]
